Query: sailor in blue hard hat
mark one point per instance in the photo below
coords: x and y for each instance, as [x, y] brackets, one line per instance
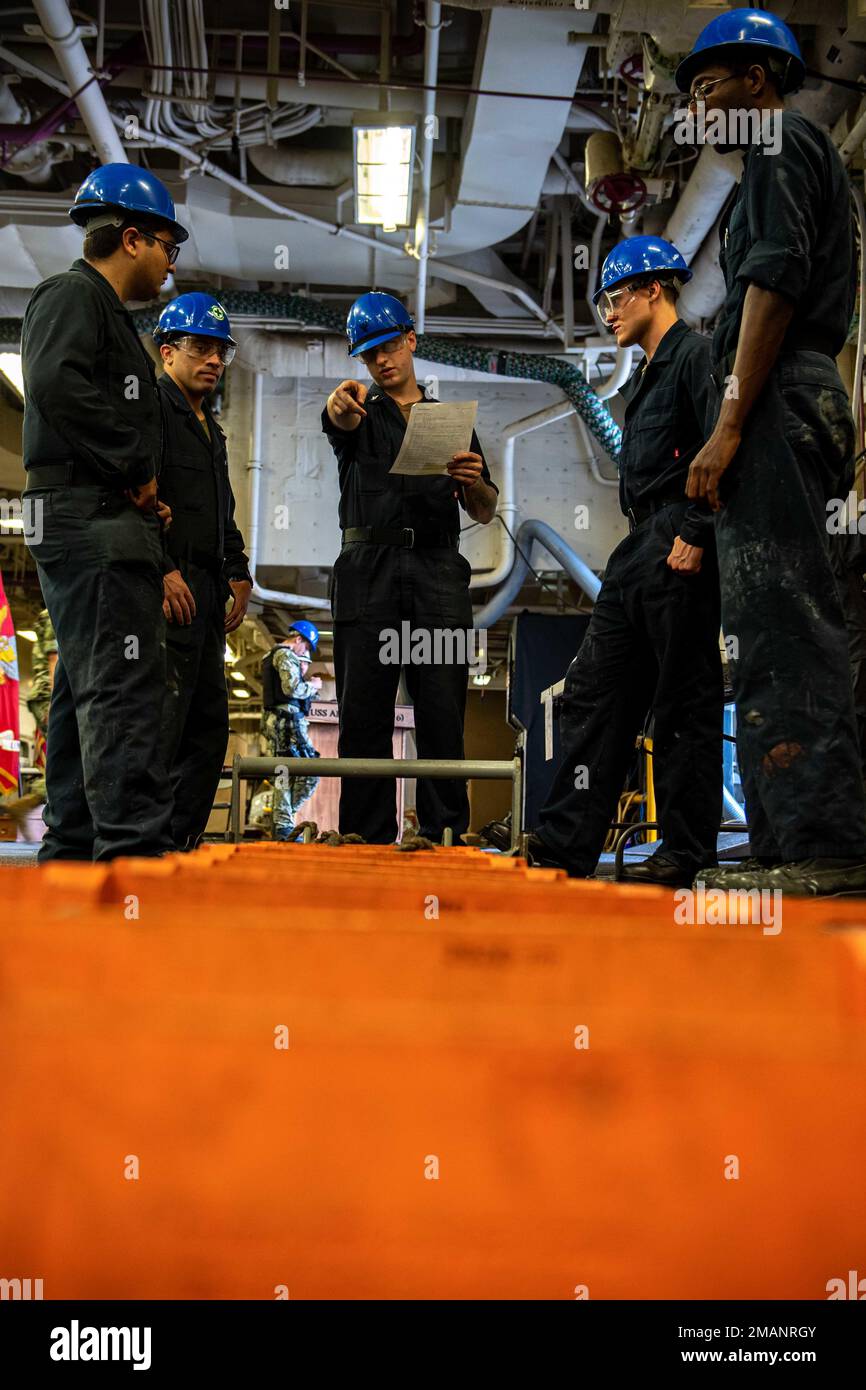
[743, 64]
[309, 632]
[735, 40]
[779, 452]
[376, 318]
[652, 641]
[286, 698]
[205, 561]
[125, 209]
[630, 266]
[399, 569]
[199, 321]
[92, 447]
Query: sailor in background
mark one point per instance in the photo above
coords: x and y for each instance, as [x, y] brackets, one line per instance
[286, 696]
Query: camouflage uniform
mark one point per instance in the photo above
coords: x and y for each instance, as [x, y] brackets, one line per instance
[39, 699]
[285, 729]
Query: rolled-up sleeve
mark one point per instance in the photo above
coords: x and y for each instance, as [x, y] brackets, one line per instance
[783, 201]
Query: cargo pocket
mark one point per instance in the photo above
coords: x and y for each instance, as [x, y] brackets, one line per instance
[44, 534]
[453, 572]
[349, 584]
[125, 536]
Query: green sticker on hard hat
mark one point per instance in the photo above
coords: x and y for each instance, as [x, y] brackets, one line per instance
[215, 312]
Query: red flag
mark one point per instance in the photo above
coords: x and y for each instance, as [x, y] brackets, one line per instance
[9, 714]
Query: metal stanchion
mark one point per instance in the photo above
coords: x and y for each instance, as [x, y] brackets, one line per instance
[517, 795]
[460, 769]
[235, 801]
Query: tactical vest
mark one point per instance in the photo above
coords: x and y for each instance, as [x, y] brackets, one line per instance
[273, 694]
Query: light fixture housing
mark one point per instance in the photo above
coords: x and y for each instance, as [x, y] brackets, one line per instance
[10, 367]
[384, 158]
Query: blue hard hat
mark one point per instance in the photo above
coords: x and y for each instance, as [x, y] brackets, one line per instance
[129, 188]
[736, 27]
[308, 631]
[196, 313]
[373, 319]
[641, 255]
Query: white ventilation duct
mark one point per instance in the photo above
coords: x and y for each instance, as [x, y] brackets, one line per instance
[704, 295]
[712, 180]
[299, 167]
[508, 140]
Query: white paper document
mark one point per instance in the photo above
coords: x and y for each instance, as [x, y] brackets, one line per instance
[434, 435]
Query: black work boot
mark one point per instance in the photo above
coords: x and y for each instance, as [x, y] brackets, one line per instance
[722, 876]
[817, 878]
[539, 855]
[663, 868]
[497, 833]
[802, 878]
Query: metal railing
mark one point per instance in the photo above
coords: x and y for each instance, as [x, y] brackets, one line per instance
[727, 827]
[461, 769]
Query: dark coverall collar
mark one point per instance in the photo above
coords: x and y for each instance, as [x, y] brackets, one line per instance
[111, 296]
[180, 402]
[377, 393]
[105, 285]
[663, 353]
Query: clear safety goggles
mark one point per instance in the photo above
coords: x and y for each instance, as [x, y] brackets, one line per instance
[609, 301]
[388, 349]
[206, 347]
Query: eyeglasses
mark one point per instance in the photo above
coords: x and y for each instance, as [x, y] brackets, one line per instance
[699, 93]
[172, 251]
[206, 347]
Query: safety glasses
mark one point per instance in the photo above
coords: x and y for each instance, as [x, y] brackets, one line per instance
[388, 349]
[206, 347]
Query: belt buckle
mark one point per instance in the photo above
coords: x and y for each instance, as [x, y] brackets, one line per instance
[408, 544]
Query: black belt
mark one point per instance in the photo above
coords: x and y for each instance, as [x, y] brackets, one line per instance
[69, 474]
[405, 536]
[811, 342]
[638, 515]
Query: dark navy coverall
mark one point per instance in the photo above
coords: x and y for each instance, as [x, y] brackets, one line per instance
[789, 229]
[653, 638]
[92, 429]
[379, 586]
[204, 543]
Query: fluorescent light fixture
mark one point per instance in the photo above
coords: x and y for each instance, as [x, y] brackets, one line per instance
[483, 678]
[384, 159]
[27, 634]
[241, 694]
[10, 366]
[237, 675]
[230, 657]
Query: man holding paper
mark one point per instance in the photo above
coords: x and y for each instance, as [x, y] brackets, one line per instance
[402, 483]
